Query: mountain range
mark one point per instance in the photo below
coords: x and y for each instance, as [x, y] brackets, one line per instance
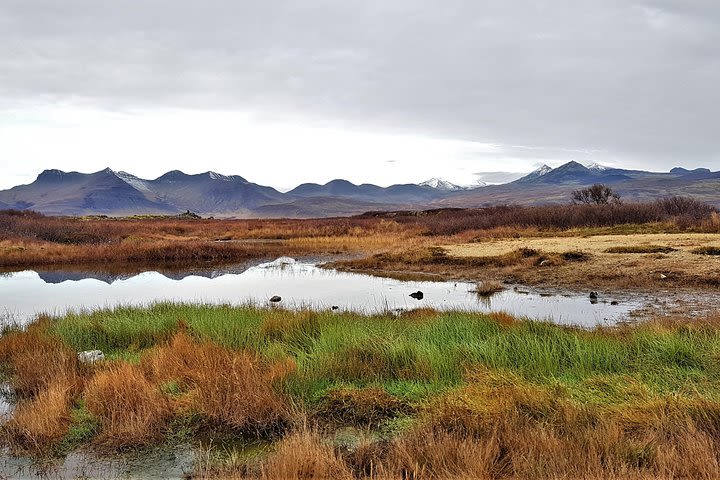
[108, 192]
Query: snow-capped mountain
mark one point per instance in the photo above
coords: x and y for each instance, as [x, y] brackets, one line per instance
[535, 174]
[133, 181]
[444, 185]
[597, 167]
[109, 192]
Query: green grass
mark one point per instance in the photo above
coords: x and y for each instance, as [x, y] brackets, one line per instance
[412, 357]
[82, 429]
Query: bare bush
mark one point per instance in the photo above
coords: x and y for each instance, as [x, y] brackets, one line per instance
[598, 194]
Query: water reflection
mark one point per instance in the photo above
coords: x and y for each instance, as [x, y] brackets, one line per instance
[300, 285]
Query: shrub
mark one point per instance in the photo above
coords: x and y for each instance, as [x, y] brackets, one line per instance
[597, 194]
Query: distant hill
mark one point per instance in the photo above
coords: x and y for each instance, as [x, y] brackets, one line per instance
[120, 193]
[60, 193]
[368, 192]
[554, 185]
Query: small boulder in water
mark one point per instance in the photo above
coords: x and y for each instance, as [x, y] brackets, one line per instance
[593, 295]
[282, 261]
[417, 295]
[91, 356]
[275, 298]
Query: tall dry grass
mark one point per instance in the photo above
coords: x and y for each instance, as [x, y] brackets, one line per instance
[131, 410]
[303, 455]
[39, 422]
[230, 389]
[36, 359]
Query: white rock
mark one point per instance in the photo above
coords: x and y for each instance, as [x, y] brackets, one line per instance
[281, 262]
[91, 356]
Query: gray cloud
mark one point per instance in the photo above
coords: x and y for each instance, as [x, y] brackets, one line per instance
[628, 81]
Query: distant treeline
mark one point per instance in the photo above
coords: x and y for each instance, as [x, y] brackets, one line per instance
[683, 212]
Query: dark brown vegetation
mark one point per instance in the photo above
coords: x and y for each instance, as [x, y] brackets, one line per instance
[714, 251]
[641, 249]
[679, 212]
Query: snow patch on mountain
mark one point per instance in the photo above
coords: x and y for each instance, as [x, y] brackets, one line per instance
[440, 184]
[543, 170]
[133, 181]
[597, 167]
[219, 176]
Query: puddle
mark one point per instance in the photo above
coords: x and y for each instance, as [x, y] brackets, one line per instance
[177, 463]
[25, 294]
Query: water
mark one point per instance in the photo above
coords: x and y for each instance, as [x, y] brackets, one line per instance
[23, 295]
[165, 463]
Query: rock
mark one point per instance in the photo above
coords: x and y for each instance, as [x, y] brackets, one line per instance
[335, 307]
[275, 298]
[281, 262]
[91, 356]
[417, 295]
[614, 302]
[189, 214]
[593, 296]
[663, 276]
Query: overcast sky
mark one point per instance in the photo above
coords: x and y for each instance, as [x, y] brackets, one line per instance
[284, 92]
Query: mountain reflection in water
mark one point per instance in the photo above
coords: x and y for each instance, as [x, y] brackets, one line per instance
[25, 294]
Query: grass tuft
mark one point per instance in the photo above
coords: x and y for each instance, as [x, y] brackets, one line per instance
[131, 410]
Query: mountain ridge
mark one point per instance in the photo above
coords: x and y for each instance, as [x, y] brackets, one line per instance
[110, 192]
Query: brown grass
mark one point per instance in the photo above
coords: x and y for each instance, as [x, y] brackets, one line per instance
[489, 287]
[30, 239]
[132, 411]
[374, 360]
[229, 389]
[305, 455]
[575, 261]
[39, 422]
[365, 407]
[294, 329]
[36, 360]
[520, 430]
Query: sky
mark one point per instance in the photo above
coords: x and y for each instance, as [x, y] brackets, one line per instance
[284, 92]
